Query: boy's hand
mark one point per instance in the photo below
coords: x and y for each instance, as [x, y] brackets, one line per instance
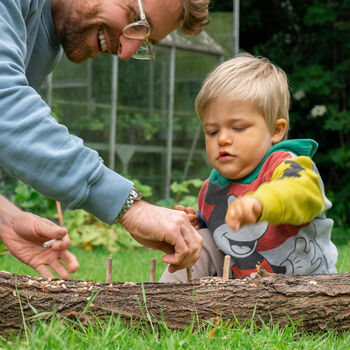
[242, 211]
[191, 214]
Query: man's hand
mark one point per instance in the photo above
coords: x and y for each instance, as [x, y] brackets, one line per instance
[24, 234]
[242, 211]
[164, 229]
[191, 214]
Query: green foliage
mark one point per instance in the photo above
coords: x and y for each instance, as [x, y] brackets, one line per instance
[185, 194]
[184, 187]
[313, 79]
[30, 200]
[319, 14]
[87, 232]
[144, 189]
[337, 120]
[2, 247]
[217, 5]
[138, 126]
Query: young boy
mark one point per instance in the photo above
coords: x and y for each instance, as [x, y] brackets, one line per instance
[264, 201]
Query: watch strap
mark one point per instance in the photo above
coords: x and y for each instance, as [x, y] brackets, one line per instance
[133, 196]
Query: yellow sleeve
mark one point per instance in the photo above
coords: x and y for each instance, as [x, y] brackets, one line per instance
[293, 195]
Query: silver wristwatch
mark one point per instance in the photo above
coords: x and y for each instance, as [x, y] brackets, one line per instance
[133, 196]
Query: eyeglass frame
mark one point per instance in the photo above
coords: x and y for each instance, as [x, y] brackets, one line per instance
[146, 46]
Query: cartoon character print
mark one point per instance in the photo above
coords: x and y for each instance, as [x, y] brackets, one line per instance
[241, 245]
[300, 261]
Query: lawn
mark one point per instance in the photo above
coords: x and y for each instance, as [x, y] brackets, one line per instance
[128, 265]
[133, 265]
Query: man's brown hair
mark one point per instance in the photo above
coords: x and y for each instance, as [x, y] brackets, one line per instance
[195, 17]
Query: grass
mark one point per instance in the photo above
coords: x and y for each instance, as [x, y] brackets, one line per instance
[113, 334]
[128, 265]
[133, 265]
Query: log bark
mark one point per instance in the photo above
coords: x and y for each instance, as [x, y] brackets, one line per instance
[319, 302]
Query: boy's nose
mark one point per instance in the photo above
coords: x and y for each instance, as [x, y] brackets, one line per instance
[225, 137]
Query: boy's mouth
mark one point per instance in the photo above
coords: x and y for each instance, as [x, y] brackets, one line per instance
[225, 155]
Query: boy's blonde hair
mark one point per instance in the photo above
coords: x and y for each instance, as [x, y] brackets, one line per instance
[251, 79]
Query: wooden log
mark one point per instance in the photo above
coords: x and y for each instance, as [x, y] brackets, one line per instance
[320, 302]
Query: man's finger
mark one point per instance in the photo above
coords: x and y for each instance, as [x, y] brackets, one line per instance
[180, 250]
[44, 271]
[194, 241]
[166, 248]
[180, 207]
[191, 253]
[70, 261]
[59, 269]
[62, 244]
[174, 268]
[44, 230]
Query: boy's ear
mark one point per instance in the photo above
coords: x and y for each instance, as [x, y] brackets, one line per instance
[280, 130]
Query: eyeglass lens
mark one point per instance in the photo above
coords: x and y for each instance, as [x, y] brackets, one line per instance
[137, 31]
[144, 52]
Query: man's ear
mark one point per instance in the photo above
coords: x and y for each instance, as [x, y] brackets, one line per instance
[280, 130]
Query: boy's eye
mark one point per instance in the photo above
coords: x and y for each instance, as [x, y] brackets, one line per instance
[211, 132]
[239, 128]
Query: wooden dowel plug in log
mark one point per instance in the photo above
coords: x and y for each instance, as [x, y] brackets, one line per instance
[109, 270]
[152, 270]
[189, 275]
[226, 268]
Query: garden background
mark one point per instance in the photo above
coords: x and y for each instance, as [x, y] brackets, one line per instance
[309, 40]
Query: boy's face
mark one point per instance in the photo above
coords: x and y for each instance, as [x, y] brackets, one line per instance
[237, 137]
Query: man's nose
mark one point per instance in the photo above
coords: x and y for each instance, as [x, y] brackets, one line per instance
[127, 47]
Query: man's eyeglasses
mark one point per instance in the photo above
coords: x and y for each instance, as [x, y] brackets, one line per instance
[140, 30]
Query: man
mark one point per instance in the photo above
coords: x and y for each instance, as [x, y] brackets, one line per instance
[42, 153]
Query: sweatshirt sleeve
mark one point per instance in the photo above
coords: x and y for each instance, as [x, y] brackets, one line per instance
[294, 194]
[34, 147]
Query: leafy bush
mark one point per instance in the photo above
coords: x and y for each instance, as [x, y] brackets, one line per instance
[30, 200]
[185, 194]
[87, 232]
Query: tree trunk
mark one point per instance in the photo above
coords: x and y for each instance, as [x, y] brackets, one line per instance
[318, 301]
